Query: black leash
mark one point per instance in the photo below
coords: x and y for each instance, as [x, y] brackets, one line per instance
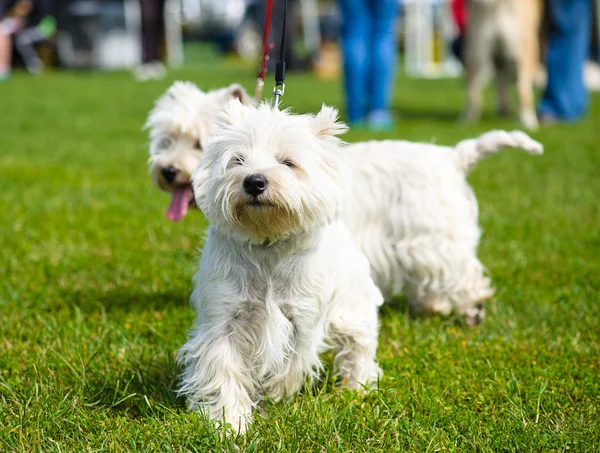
[280, 67]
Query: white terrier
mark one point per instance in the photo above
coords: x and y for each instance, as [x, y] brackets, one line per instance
[180, 125]
[280, 279]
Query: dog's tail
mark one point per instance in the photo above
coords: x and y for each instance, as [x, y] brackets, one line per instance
[470, 152]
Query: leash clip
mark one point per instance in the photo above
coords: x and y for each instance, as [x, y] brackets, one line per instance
[278, 92]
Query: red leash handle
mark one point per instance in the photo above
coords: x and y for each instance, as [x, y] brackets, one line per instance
[265, 52]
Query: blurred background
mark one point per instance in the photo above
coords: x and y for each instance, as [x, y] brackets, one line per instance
[108, 35]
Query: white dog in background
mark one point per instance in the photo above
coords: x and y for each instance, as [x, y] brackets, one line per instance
[180, 124]
[412, 213]
[502, 37]
[280, 279]
[415, 217]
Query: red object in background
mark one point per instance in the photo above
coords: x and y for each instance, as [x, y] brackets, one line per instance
[459, 14]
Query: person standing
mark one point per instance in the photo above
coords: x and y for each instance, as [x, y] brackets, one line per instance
[565, 97]
[369, 61]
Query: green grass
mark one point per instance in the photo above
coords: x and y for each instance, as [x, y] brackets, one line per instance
[95, 284]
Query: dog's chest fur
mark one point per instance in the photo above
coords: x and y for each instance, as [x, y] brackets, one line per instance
[280, 308]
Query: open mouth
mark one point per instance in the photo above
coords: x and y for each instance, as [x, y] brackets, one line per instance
[183, 199]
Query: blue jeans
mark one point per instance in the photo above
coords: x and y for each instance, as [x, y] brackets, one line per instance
[566, 96]
[369, 51]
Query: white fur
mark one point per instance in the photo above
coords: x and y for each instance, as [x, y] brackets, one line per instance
[280, 279]
[415, 217]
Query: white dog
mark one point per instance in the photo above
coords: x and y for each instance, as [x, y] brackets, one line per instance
[415, 217]
[413, 214]
[502, 37]
[280, 279]
[180, 125]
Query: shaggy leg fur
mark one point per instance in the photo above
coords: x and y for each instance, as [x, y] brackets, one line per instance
[354, 334]
[216, 381]
[445, 276]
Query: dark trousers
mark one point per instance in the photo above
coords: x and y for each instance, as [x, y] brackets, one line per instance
[153, 29]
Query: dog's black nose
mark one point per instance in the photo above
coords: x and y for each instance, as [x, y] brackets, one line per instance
[255, 184]
[169, 173]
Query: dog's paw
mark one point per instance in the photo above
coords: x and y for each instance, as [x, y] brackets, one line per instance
[368, 379]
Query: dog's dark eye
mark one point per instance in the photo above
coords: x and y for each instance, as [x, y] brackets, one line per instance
[288, 163]
[239, 160]
[165, 143]
[197, 145]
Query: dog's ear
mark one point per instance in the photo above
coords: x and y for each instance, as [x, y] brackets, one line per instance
[231, 113]
[181, 89]
[236, 91]
[325, 124]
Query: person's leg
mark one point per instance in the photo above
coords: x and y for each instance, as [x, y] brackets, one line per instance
[153, 32]
[8, 27]
[565, 96]
[5, 54]
[151, 29]
[355, 31]
[160, 29]
[24, 43]
[382, 47]
[26, 39]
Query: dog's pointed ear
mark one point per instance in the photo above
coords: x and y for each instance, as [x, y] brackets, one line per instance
[325, 124]
[182, 89]
[236, 91]
[231, 113]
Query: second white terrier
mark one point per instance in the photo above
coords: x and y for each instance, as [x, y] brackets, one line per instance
[180, 125]
[415, 217]
[280, 279]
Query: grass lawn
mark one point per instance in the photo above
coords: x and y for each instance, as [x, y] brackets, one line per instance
[95, 283]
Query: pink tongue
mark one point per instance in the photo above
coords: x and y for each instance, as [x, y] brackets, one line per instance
[179, 204]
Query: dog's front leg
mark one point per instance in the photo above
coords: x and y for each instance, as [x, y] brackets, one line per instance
[304, 363]
[216, 381]
[354, 330]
